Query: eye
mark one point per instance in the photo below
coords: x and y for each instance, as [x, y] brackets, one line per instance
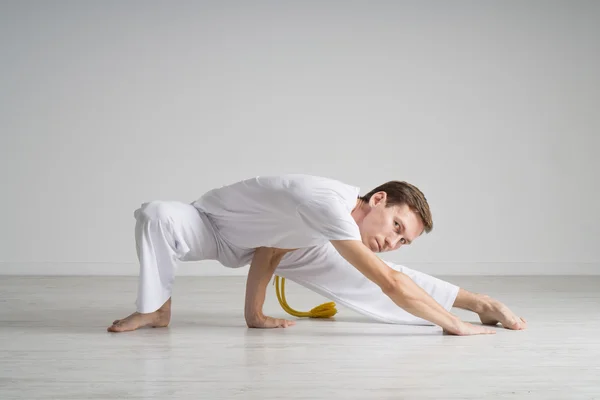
[403, 241]
[397, 225]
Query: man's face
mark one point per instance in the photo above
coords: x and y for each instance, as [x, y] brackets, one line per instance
[388, 228]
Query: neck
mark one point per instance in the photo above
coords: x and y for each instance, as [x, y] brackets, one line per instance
[359, 212]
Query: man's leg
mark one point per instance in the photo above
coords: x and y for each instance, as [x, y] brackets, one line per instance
[165, 233]
[323, 270]
[490, 311]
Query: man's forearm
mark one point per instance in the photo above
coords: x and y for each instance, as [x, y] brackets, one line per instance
[398, 286]
[412, 298]
[263, 266]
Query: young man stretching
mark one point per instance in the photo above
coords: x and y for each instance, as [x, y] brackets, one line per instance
[316, 231]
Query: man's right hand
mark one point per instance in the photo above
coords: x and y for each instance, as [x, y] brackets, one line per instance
[466, 329]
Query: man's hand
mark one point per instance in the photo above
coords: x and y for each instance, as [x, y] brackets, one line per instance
[263, 266]
[268, 322]
[402, 290]
[466, 329]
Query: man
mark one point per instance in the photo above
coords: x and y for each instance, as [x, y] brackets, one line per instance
[289, 222]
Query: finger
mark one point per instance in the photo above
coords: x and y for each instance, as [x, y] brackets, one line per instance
[279, 323]
[269, 323]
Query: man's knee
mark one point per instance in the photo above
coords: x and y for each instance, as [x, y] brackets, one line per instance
[157, 210]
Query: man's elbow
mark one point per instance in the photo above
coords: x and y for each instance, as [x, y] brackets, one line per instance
[395, 284]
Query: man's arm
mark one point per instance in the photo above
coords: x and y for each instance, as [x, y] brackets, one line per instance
[263, 265]
[403, 290]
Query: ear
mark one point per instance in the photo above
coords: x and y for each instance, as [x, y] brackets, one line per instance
[378, 198]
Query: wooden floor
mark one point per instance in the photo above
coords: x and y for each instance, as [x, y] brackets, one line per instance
[54, 345]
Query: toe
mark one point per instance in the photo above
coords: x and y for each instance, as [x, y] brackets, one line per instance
[116, 328]
[516, 325]
[524, 323]
[510, 324]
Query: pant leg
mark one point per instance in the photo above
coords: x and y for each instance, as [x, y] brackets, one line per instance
[323, 270]
[167, 232]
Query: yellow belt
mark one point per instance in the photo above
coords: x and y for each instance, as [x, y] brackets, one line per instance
[325, 310]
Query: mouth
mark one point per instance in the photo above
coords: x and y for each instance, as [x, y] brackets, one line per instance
[378, 245]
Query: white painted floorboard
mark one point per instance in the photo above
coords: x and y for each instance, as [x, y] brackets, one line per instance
[54, 345]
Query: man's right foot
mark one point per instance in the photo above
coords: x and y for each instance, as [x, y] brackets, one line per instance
[157, 319]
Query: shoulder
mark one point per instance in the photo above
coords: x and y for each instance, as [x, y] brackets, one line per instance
[332, 218]
[319, 189]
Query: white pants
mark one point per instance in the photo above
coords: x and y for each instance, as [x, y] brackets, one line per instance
[167, 232]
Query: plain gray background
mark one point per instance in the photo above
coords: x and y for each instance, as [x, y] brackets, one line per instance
[491, 108]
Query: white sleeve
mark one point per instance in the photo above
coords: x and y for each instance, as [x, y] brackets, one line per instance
[330, 219]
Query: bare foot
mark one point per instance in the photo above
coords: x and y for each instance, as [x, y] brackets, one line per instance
[495, 312]
[157, 319]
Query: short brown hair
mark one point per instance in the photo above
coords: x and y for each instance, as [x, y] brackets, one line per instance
[399, 193]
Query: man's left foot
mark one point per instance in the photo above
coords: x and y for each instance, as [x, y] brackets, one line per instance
[495, 312]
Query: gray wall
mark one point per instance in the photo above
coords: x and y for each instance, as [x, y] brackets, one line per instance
[491, 108]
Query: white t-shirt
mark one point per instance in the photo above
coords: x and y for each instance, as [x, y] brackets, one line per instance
[288, 211]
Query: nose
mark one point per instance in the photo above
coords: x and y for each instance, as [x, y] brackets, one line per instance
[390, 244]
[393, 244]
